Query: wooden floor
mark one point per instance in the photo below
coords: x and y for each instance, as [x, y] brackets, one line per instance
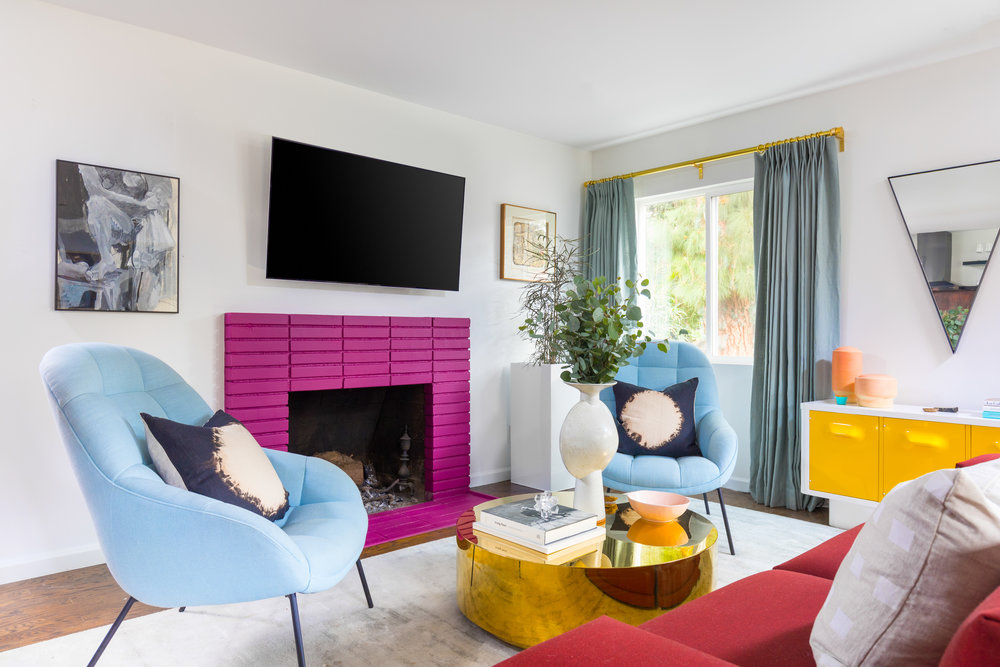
[47, 607]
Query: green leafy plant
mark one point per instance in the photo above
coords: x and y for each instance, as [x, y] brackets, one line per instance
[600, 328]
[678, 312]
[954, 321]
[561, 258]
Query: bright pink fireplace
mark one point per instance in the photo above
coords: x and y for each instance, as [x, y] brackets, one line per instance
[268, 355]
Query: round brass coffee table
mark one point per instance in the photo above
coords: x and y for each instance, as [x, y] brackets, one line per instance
[641, 570]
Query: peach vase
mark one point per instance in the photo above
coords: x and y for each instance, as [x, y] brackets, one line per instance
[875, 391]
[846, 367]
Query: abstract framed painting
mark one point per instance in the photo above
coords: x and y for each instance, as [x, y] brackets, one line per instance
[523, 233]
[116, 239]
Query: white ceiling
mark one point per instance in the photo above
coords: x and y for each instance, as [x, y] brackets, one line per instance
[586, 73]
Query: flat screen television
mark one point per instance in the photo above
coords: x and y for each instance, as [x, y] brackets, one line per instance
[345, 218]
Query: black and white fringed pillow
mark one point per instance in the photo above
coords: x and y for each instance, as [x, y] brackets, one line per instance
[221, 460]
[657, 423]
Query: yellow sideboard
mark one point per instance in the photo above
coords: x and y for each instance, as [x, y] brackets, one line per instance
[856, 454]
[844, 455]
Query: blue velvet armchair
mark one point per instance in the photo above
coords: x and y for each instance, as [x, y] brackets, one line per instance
[169, 547]
[688, 475]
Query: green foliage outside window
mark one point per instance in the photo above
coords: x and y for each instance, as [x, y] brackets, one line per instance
[737, 290]
[676, 263]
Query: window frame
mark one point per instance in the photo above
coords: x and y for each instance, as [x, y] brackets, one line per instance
[711, 193]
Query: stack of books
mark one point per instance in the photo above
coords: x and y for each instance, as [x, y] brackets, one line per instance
[517, 530]
[991, 408]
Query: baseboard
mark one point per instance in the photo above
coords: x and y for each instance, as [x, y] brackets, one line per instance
[490, 477]
[737, 484]
[50, 562]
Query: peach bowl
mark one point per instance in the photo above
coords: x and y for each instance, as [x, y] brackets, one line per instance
[875, 391]
[658, 506]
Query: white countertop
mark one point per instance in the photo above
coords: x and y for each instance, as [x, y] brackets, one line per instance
[963, 416]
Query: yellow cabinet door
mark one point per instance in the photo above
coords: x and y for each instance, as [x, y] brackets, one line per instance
[985, 440]
[843, 454]
[912, 448]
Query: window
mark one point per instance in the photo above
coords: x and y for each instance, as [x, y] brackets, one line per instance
[696, 248]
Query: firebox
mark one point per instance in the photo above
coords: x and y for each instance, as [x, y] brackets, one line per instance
[374, 433]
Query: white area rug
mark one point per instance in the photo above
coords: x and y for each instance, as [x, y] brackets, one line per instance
[415, 621]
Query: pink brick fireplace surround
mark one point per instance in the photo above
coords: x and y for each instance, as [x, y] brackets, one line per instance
[268, 355]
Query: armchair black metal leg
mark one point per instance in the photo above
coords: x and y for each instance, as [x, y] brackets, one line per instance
[725, 520]
[111, 632]
[704, 497]
[297, 628]
[364, 584]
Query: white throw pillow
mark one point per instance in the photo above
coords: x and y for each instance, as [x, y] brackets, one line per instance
[927, 557]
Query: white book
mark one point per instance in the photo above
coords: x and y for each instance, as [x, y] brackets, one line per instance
[547, 548]
[522, 519]
[499, 545]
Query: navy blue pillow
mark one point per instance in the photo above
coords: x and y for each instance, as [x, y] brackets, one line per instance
[221, 460]
[659, 423]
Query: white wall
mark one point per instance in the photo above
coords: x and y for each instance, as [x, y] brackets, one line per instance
[970, 245]
[734, 398]
[935, 116]
[80, 88]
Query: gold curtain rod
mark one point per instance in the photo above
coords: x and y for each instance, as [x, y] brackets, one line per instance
[699, 163]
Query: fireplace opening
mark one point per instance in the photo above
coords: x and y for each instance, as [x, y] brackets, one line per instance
[375, 434]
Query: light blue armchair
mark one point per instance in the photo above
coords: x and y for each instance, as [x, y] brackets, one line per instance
[169, 547]
[688, 475]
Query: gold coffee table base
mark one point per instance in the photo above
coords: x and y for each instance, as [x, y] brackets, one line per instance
[524, 603]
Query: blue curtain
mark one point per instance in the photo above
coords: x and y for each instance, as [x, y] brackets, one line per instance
[609, 235]
[797, 255]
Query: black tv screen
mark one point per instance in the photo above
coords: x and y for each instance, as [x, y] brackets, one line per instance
[340, 217]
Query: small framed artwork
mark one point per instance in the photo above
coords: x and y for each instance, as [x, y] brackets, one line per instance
[116, 239]
[523, 232]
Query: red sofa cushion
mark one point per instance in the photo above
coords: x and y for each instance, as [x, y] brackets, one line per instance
[823, 560]
[605, 641]
[982, 458]
[764, 619]
[977, 641]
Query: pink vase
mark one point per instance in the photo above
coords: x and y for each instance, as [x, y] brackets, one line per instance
[846, 367]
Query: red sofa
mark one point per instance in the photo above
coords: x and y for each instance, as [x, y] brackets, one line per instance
[764, 619]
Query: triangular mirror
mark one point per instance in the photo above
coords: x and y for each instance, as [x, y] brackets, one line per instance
[952, 220]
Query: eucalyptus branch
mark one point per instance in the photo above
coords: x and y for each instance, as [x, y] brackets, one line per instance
[601, 328]
[590, 327]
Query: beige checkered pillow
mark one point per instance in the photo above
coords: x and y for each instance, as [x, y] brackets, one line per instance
[927, 557]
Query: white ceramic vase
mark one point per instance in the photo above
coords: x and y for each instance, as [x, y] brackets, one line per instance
[588, 441]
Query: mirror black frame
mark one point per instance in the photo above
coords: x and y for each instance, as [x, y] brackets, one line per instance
[916, 253]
